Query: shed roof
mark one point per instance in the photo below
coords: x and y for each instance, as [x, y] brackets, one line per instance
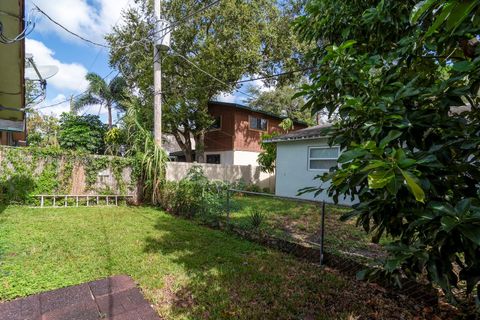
[302, 134]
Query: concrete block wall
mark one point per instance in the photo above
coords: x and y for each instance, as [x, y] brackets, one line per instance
[223, 172]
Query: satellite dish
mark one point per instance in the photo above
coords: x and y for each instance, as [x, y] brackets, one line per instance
[44, 72]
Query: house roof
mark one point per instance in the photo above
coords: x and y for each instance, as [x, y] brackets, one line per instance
[244, 107]
[12, 66]
[302, 134]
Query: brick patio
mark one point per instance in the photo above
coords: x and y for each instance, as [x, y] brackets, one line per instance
[114, 298]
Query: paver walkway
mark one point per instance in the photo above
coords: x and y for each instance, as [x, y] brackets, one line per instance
[114, 298]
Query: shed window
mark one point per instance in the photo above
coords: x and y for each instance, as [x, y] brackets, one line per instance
[257, 123]
[322, 158]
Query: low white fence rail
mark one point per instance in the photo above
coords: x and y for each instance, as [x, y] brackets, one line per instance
[110, 200]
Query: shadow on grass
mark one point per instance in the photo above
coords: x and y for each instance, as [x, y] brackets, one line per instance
[301, 222]
[16, 189]
[229, 278]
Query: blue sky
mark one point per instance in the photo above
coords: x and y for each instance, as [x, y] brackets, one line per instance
[50, 45]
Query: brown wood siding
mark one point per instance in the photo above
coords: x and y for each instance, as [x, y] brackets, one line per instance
[247, 139]
[235, 132]
[221, 140]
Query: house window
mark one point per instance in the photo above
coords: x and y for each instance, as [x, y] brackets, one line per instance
[322, 158]
[213, 158]
[217, 124]
[258, 123]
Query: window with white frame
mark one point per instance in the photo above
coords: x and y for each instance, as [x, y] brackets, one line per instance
[322, 158]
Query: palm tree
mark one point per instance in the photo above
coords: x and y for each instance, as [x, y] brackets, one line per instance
[100, 92]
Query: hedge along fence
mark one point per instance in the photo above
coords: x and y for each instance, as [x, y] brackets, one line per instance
[25, 172]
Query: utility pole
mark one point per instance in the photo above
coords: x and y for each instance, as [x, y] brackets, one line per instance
[157, 71]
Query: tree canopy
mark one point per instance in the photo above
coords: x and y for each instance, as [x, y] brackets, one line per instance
[403, 80]
[42, 129]
[82, 133]
[281, 101]
[108, 95]
[227, 40]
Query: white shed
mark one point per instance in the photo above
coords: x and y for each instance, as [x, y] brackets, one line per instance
[301, 156]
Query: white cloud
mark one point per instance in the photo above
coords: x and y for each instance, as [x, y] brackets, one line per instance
[91, 19]
[62, 104]
[56, 110]
[227, 97]
[71, 76]
[237, 97]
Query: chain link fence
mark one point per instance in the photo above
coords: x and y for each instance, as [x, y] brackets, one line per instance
[313, 230]
[310, 230]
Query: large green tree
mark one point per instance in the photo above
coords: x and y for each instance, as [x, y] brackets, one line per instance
[108, 95]
[403, 80]
[83, 133]
[42, 129]
[228, 39]
[281, 101]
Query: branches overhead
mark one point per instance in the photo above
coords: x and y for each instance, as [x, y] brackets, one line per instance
[211, 52]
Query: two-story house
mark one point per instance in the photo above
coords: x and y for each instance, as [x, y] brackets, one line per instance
[236, 134]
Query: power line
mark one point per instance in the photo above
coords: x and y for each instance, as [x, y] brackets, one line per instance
[29, 26]
[187, 17]
[211, 76]
[101, 48]
[275, 75]
[69, 31]
[75, 96]
[173, 25]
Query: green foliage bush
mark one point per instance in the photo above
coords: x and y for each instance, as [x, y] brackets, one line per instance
[241, 185]
[411, 156]
[194, 196]
[115, 138]
[82, 133]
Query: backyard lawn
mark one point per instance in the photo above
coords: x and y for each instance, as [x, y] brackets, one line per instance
[301, 222]
[185, 270]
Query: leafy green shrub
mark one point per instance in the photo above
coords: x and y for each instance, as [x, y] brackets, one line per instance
[115, 138]
[410, 155]
[256, 218]
[83, 133]
[16, 189]
[194, 196]
[241, 185]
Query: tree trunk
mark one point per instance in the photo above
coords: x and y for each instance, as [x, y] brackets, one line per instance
[188, 155]
[200, 147]
[109, 108]
[185, 144]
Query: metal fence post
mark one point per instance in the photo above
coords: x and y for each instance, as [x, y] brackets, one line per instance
[322, 234]
[228, 207]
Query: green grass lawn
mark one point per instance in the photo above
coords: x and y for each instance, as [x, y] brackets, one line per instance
[301, 221]
[185, 270]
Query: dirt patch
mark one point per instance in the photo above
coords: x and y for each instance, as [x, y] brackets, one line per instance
[308, 232]
[169, 297]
